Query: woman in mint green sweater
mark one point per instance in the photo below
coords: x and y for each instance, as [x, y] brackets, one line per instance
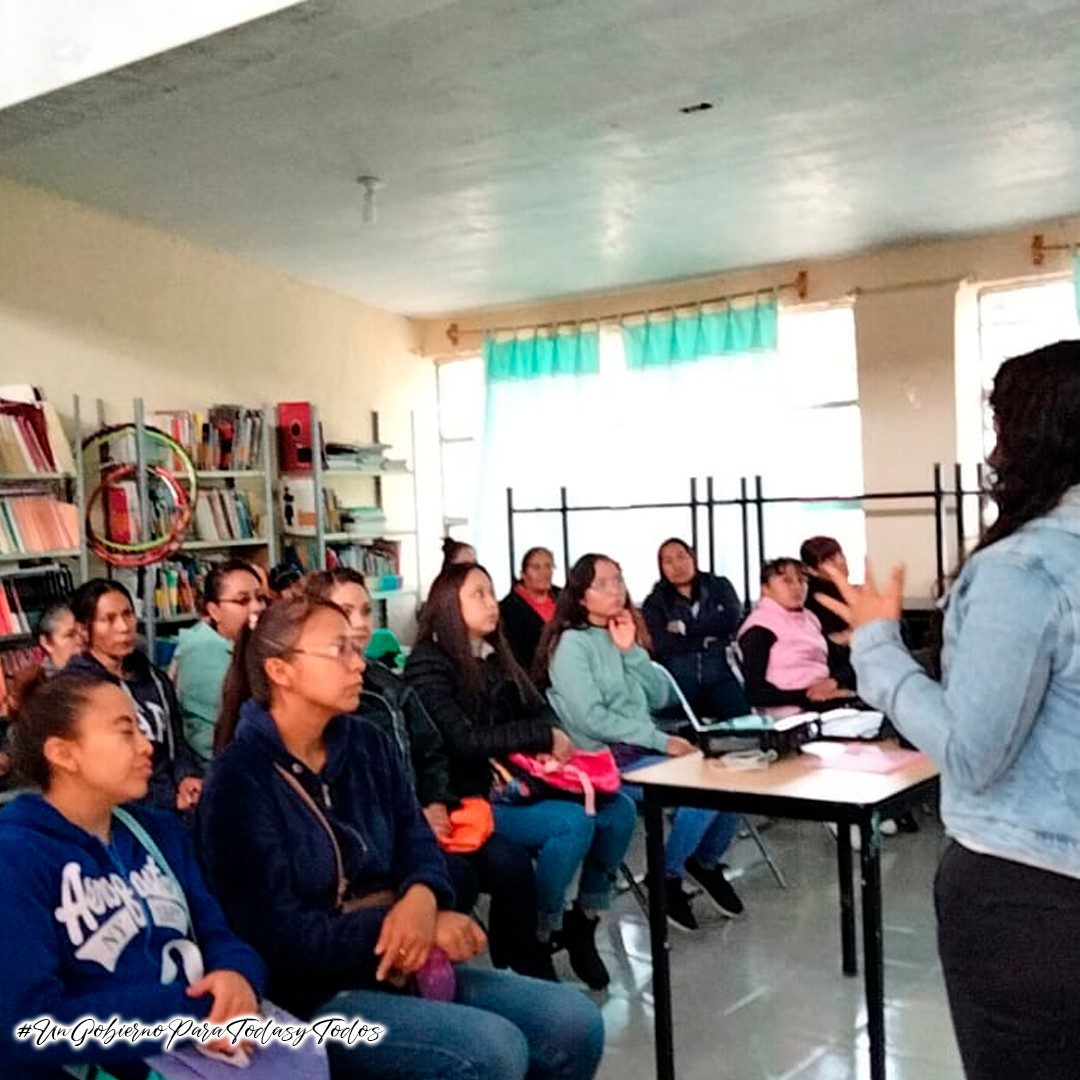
[232, 596]
[605, 689]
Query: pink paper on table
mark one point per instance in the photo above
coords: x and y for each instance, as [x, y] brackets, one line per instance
[860, 757]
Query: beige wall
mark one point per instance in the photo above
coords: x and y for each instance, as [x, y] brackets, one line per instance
[95, 305]
[916, 321]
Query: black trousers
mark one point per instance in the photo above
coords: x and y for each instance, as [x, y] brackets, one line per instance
[505, 872]
[1009, 938]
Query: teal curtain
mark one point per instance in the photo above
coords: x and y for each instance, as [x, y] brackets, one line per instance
[1076, 279]
[686, 338]
[539, 356]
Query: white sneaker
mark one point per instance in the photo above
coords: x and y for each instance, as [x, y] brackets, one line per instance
[888, 828]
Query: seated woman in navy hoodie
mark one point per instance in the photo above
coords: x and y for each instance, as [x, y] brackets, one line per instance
[106, 911]
[107, 616]
[314, 843]
[394, 707]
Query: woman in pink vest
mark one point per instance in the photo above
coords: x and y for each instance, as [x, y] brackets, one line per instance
[785, 656]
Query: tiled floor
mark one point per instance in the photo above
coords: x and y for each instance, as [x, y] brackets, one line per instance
[762, 997]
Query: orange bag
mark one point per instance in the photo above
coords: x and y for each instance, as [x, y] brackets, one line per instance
[473, 822]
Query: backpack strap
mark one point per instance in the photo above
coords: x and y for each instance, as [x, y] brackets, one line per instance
[313, 806]
[149, 845]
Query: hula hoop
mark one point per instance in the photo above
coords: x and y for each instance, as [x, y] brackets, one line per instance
[156, 548]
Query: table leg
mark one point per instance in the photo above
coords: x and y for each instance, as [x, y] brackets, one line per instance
[873, 959]
[849, 957]
[661, 959]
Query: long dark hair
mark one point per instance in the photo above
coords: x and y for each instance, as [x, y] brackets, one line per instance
[442, 624]
[571, 614]
[45, 707]
[1036, 403]
[275, 634]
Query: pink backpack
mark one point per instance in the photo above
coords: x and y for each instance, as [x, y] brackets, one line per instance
[586, 773]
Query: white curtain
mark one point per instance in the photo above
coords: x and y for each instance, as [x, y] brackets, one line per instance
[618, 437]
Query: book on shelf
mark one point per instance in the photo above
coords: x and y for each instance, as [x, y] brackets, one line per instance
[223, 514]
[368, 456]
[32, 439]
[378, 560]
[24, 598]
[226, 438]
[297, 499]
[31, 524]
[363, 520]
[178, 583]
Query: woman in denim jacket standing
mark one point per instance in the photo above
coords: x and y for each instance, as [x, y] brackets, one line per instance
[1003, 725]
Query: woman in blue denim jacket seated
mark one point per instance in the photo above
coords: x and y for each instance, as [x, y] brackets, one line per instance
[1003, 725]
[692, 619]
[321, 857]
[605, 689]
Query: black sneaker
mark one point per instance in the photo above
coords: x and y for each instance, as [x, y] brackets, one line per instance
[579, 937]
[712, 880]
[538, 964]
[679, 912]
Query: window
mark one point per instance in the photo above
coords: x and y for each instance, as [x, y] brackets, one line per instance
[461, 422]
[790, 416]
[1016, 320]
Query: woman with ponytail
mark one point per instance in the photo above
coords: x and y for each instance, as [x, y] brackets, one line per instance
[314, 842]
[104, 904]
[1003, 725]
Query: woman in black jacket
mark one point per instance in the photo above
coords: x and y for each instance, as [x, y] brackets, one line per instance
[107, 616]
[315, 845]
[692, 618]
[486, 708]
[529, 606]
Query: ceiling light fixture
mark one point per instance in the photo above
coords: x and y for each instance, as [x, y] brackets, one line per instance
[370, 184]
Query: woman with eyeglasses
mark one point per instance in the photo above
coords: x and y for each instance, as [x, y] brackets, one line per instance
[530, 605]
[317, 849]
[232, 597]
[106, 614]
[605, 690]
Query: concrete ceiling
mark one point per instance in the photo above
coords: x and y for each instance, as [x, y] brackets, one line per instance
[532, 148]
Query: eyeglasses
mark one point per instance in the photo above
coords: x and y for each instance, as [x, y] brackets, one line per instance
[341, 651]
[614, 585]
[244, 601]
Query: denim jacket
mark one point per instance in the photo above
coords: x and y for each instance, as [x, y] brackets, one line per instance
[1003, 725]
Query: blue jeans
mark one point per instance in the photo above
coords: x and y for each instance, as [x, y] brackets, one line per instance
[563, 837]
[499, 1027]
[705, 834]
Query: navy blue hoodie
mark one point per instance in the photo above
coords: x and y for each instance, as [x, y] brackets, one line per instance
[159, 717]
[271, 863]
[96, 930]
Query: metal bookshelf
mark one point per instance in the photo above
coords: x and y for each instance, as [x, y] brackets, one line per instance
[263, 474]
[322, 477]
[72, 486]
